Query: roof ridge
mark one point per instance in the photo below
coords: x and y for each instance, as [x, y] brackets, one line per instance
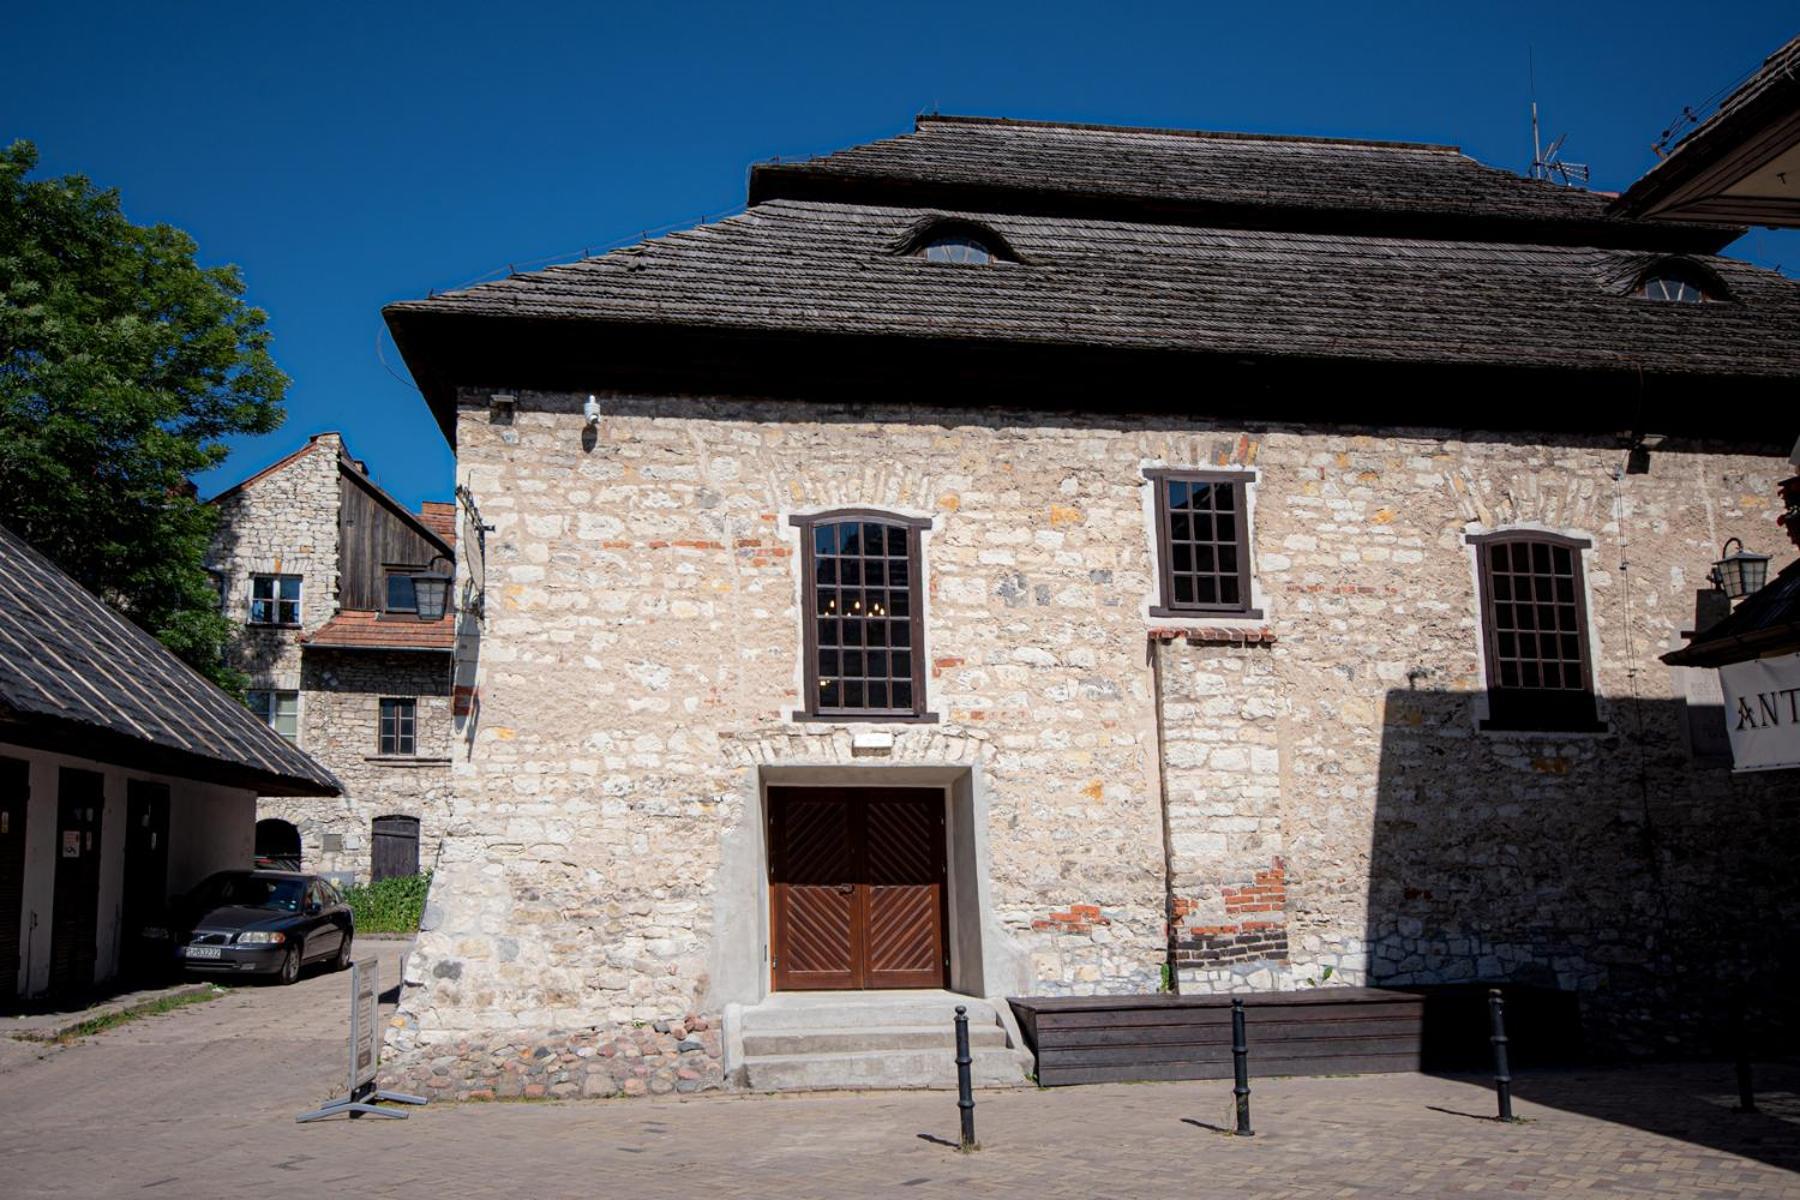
[1200, 134]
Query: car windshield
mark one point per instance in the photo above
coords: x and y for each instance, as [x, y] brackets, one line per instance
[252, 891]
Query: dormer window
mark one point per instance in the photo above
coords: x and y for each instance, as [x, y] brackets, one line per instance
[1679, 281]
[957, 248]
[955, 240]
[1673, 289]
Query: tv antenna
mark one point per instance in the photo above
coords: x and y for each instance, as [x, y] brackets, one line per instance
[1546, 164]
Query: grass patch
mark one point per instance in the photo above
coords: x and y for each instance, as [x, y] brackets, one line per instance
[153, 1008]
[390, 906]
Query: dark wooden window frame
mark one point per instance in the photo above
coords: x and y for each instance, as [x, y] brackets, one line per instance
[914, 527]
[382, 737]
[1160, 478]
[388, 571]
[1518, 709]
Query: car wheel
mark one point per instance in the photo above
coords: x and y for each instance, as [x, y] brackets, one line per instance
[342, 961]
[290, 966]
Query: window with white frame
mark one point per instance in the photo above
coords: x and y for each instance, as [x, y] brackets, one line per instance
[275, 599]
[278, 710]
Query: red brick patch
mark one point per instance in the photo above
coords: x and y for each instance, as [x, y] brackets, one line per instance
[1077, 918]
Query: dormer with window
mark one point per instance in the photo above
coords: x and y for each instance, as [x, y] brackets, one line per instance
[1679, 281]
[957, 242]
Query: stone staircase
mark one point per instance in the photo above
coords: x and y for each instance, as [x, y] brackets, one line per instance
[800, 1041]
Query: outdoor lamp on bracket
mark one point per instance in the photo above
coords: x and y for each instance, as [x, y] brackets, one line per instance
[431, 590]
[1739, 574]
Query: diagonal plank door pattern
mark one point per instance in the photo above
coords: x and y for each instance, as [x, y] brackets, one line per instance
[858, 887]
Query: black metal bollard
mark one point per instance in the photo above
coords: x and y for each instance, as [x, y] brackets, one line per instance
[1240, 1067]
[1741, 1053]
[1502, 1074]
[965, 1092]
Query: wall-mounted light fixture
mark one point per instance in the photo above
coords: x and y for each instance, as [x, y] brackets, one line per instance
[591, 411]
[431, 590]
[1739, 574]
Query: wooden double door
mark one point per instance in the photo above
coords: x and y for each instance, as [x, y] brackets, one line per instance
[857, 888]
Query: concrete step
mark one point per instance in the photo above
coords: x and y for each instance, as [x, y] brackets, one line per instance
[878, 1069]
[939, 1036]
[783, 1011]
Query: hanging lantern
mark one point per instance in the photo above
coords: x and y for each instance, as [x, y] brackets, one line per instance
[1739, 574]
[431, 591]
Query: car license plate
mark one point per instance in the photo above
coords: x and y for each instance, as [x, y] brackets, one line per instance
[203, 952]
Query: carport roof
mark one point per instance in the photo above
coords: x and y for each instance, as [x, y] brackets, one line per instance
[78, 678]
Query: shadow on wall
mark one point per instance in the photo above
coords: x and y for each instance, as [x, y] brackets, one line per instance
[1627, 899]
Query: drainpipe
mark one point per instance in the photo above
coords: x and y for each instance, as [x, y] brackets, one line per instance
[1162, 788]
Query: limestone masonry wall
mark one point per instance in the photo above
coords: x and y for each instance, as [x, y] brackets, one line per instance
[340, 724]
[1332, 812]
[286, 522]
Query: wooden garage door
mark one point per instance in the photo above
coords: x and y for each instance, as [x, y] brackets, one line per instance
[144, 897]
[75, 905]
[857, 888]
[15, 795]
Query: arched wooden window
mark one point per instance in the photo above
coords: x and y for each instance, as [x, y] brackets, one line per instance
[394, 848]
[864, 616]
[1534, 631]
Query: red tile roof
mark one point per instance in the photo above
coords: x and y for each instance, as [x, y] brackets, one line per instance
[355, 630]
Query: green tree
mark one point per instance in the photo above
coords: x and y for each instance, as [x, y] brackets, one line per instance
[123, 365]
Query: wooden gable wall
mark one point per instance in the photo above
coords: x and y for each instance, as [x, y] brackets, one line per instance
[372, 537]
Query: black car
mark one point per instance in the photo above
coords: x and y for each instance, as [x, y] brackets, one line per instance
[263, 923]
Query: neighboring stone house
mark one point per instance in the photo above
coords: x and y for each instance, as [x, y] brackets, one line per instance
[1021, 558]
[316, 561]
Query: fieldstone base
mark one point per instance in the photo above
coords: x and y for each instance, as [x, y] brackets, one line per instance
[651, 1059]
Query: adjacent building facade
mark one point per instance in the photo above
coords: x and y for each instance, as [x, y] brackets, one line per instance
[317, 562]
[125, 779]
[1046, 559]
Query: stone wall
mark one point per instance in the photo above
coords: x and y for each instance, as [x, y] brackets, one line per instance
[340, 720]
[1330, 803]
[284, 523]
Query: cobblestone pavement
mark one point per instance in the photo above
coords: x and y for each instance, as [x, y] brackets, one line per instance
[200, 1103]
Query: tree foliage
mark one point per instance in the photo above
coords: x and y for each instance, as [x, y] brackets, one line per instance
[123, 365]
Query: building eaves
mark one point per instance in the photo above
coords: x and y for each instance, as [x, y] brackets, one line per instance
[78, 677]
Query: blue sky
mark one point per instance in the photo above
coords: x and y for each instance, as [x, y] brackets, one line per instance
[347, 156]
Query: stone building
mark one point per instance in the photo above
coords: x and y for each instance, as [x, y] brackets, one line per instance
[1020, 558]
[316, 561]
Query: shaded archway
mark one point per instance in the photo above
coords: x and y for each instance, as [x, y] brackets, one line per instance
[277, 845]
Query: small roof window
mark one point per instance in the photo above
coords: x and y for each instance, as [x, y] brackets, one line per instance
[962, 248]
[1674, 289]
[1679, 281]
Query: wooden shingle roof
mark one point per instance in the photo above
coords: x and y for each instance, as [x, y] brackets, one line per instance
[816, 267]
[1143, 261]
[77, 677]
[1259, 180]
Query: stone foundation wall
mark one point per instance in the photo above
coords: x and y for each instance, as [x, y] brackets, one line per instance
[1333, 812]
[654, 1059]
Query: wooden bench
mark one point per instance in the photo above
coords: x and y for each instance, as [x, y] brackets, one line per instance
[1320, 1031]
